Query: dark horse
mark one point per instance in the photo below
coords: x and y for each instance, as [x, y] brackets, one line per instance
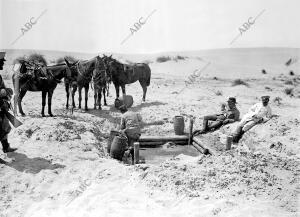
[100, 82]
[85, 72]
[122, 74]
[23, 82]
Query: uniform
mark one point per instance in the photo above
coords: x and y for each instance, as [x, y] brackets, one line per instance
[131, 126]
[227, 115]
[5, 127]
[258, 113]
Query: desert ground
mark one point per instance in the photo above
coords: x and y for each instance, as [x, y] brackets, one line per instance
[61, 167]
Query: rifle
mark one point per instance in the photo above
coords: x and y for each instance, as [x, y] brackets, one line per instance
[14, 121]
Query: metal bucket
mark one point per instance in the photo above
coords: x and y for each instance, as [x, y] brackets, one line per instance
[125, 99]
[118, 147]
[112, 135]
[179, 125]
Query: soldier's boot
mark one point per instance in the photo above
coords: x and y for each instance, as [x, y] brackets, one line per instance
[6, 147]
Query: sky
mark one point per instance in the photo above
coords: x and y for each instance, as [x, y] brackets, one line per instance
[96, 26]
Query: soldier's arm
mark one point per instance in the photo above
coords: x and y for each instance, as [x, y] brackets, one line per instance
[122, 124]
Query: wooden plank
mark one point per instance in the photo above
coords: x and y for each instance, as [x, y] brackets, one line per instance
[191, 131]
[154, 144]
[164, 138]
[211, 150]
[200, 148]
[136, 158]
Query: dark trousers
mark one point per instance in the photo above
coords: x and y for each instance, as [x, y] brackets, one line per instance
[132, 138]
[5, 144]
[217, 122]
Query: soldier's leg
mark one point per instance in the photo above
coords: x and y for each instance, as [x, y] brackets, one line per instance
[249, 125]
[215, 125]
[5, 145]
[205, 121]
[238, 132]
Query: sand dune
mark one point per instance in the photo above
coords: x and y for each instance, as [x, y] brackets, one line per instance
[61, 167]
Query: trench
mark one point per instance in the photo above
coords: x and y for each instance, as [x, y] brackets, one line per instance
[159, 154]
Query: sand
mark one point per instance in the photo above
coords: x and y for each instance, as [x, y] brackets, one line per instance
[61, 167]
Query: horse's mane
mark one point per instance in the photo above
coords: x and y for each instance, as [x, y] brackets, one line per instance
[61, 60]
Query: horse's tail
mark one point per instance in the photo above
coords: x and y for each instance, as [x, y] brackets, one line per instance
[149, 77]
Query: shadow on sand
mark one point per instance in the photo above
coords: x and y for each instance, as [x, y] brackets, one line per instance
[30, 165]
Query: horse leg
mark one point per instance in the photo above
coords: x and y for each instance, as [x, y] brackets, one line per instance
[95, 98]
[21, 95]
[86, 89]
[68, 94]
[144, 86]
[144, 93]
[117, 87]
[99, 98]
[79, 97]
[44, 94]
[73, 95]
[50, 94]
[104, 96]
[123, 89]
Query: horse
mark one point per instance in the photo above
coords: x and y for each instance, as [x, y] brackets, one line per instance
[122, 74]
[23, 82]
[100, 82]
[85, 72]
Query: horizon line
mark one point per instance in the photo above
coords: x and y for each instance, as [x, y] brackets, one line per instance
[150, 53]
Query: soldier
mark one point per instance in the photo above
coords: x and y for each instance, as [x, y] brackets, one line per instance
[258, 113]
[228, 114]
[130, 126]
[5, 95]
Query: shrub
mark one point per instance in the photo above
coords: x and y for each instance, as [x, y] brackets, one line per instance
[163, 59]
[290, 82]
[278, 100]
[289, 91]
[179, 57]
[218, 93]
[239, 82]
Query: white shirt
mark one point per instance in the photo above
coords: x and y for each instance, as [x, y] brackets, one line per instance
[259, 111]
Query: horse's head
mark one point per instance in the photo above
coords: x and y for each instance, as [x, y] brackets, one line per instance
[100, 70]
[72, 70]
[107, 64]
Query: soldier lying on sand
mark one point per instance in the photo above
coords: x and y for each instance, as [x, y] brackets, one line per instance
[258, 113]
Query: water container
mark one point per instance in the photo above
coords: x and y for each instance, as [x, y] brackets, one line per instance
[112, 134]
[125, 99]
[118, 147]
[179, 125]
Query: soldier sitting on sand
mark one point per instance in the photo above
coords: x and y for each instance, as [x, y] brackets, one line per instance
[229, 114]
